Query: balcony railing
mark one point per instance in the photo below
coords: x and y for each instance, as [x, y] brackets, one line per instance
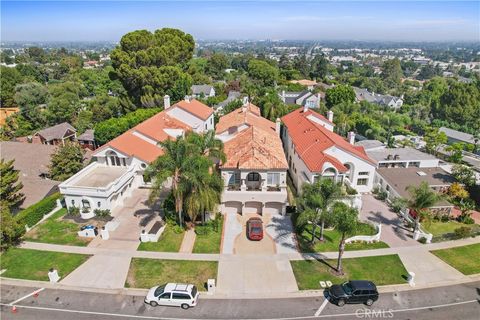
[233, 187]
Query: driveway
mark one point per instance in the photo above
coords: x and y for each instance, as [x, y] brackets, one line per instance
[280, 228]
[393, 232]
[244, 246]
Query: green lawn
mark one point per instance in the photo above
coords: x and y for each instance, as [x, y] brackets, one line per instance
[146, 273]
[169, 241]
[382, 270]
[332, 240]
[462, 258]
[57, 231]
[208, 239]
[34, 264]
[437, 228]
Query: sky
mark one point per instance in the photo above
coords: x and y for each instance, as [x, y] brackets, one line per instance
[276, 20]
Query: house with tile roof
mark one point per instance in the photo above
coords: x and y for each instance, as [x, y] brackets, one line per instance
[314, 152]
[120, 163]
[255, 172]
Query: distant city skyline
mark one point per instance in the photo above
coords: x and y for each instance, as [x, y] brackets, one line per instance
[313, 20]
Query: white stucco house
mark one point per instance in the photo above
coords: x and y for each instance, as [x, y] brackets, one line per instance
[255, 172]
[119, 165]
[314, 152]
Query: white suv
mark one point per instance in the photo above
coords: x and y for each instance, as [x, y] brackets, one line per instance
[173, 294]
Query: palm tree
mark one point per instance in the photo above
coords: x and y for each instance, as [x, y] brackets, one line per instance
[317, 200]
[421, 198]
[208, 144]
[178, 162]
[345, 220]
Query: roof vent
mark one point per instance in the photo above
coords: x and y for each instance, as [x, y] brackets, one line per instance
[421, 173]
[396, 157]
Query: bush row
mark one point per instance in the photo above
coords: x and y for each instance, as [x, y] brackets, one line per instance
[33, 214]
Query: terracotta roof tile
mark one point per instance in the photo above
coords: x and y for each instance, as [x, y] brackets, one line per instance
[154, 126]
[312, 139]
[132, 145]
[249, 115]
[196, 108]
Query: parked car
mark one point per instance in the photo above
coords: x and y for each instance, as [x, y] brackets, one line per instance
[255, 229]
[355, 291]
[173, 294]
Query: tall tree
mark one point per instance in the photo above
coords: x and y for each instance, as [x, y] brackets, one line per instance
[465, 175]
[422, 197]
[10, 187]
[345, 220]
[29, 97]
[339, 94]
[149, 65]
[9, 228]
[434, 139]
[263, 72]
[207, 144]
[9, 78]
[319, 69]
[392, 73]
[66, 161]
[216, 65]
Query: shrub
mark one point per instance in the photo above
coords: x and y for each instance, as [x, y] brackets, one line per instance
[102, 213]
[444, 218]
[398, 204]
[466, 219]
[350, 191]
[463, 232]
[74, 211]
[33, 214]
[382, 195]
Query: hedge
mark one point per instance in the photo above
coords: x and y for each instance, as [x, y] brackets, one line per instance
[33, 214]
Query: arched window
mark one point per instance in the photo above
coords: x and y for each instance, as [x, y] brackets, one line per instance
[329, 173]
[253, 176]
[114, 159]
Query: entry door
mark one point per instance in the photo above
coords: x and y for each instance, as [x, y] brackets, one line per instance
[165, 299]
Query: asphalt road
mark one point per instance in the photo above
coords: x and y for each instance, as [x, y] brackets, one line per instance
[454, 302]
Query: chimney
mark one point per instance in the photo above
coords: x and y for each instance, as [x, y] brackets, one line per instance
[187, 99]
[277, 126]
[330, 115]
[305, 108]
[351, 137]
[166, 102]
[245, 101]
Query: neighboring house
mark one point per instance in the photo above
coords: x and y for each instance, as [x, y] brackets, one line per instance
[402, 158]
[87, 139]
[5, 113]
[395, 181]
[304, 98]
[232, 96]
[310, 84]
[383, 100]
[33, 161]
[120, 164]
[314, 152]
[255, 172]
[455, 136]
[203, 91]
[58, 134]
[370, 145]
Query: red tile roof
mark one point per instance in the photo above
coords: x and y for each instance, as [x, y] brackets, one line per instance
[249, 115]
[134, 146]
[196, 108]
[312, 139]
[154, 126]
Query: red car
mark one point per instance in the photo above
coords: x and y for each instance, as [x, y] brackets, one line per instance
[255, 229]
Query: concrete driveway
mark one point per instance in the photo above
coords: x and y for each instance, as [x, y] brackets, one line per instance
[393, 232]
[243, 245]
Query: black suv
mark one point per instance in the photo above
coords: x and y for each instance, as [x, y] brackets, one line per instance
[355, 291]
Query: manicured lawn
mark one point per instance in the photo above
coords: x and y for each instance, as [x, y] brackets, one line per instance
[57, 231]
[465, 259]
[332, 240]
[382, 270]
[34, 264]
[438, 228]
[208, 238]
[169, 241]
[146, 273]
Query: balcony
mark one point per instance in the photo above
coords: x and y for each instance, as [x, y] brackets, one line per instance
[267, 194]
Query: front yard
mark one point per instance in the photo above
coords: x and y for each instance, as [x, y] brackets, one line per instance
[57, 230]
[437, 228]
[332, 240]
[146, 273]
[462, 258]
[209, 237]
[169, 241]
[382, 270]
[35, 264]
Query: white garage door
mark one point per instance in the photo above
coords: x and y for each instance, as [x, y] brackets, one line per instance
[233, 207]
[253, 207]
[273, 208]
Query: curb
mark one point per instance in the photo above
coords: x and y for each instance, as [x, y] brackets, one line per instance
[300, 294]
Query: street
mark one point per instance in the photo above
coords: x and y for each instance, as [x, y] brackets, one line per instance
[455, 302]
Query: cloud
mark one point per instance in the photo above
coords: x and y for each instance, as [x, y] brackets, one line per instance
[435, 22]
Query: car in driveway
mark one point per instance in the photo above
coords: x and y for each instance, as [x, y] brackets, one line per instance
[255, 229]
[354, 291]
[173, 294]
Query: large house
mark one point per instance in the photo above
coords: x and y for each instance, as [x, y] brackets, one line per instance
[314, 152]
[58, 134]
[255, 172]
[120, 164]
[381, 99]
[304, 98]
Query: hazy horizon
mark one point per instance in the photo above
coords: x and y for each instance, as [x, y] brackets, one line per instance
[71, 21]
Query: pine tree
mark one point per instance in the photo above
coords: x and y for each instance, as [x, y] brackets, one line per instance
[66, 161]
[9, 185]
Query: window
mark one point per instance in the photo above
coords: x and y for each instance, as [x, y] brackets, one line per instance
[273, 178]
[362, 182]
[253, 176]
[181, 296]
[166, 295]
[86, 204]
[414, 164]
[363, 173]
[211, 120]
[234, 178]
[98, 204]
[73, 202]
[124, 162]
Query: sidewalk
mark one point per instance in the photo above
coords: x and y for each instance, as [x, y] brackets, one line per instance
[188, 241]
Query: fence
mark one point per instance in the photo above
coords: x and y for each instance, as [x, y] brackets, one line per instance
[374, 238]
